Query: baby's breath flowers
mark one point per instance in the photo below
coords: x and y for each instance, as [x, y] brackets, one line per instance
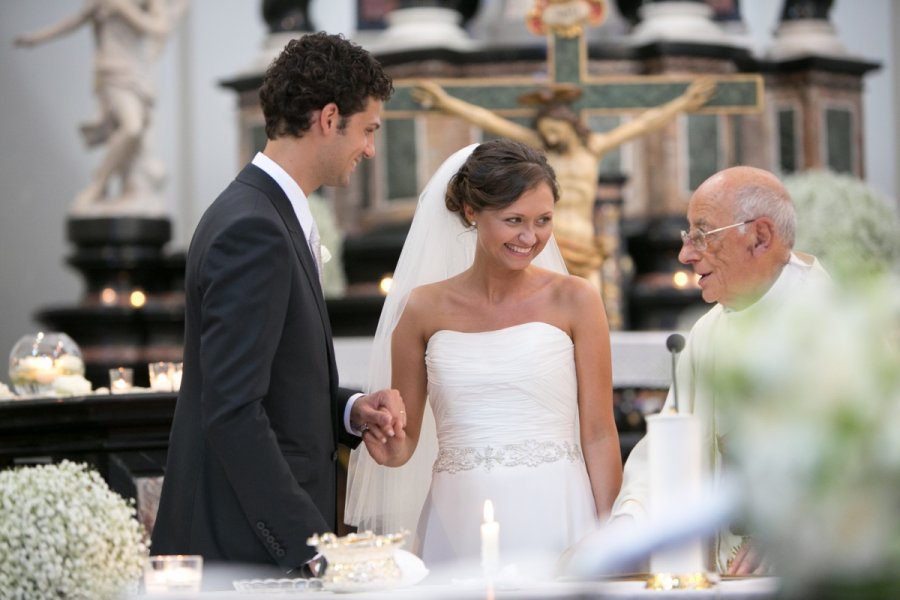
[65, 534]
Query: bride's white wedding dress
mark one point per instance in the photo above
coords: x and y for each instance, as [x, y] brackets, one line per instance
[505, 407]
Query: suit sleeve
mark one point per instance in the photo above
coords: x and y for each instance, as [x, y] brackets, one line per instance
[246, 280]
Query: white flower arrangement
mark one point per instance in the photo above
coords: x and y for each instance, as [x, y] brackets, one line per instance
[810, 395]
[849, 226]
[71, 385]
[65, 534]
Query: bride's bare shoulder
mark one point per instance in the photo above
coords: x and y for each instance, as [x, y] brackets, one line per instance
[426, 299]
[429, 291]
[574, 290]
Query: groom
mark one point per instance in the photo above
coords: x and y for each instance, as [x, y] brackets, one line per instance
[251, 464]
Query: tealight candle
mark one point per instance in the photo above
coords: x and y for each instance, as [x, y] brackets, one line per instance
[40, 368]
[162, 383]
[177, 369]
[490, 540]
[120, 380]
[160, 380]
[173, 574]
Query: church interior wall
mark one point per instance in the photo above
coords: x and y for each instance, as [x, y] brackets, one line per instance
[45, 93]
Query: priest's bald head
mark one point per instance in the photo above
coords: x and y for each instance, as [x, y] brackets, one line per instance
[741, 231]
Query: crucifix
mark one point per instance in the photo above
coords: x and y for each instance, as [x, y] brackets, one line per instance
[559, 103]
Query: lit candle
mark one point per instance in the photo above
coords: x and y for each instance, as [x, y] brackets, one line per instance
[162, 383]
[39, 368]
[120, 380]
[490, 540]
[167, 574]
[176, 371]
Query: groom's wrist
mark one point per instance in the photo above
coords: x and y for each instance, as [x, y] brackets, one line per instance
[348, 426]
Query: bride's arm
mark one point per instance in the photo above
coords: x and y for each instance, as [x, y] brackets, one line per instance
[593, 366]
[408, 376]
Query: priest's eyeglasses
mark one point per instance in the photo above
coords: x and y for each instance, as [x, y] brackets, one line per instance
[699, 239]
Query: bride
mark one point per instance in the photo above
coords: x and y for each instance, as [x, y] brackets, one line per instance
[512, 355]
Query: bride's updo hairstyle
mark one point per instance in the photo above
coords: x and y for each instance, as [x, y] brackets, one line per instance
[495, 175]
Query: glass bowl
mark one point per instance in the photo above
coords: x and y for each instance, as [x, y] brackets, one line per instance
[360, 561]
[37, 359]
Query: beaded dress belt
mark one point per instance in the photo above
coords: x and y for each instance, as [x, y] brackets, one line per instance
[530, 454]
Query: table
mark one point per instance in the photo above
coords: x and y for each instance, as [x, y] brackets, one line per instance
[747, 588]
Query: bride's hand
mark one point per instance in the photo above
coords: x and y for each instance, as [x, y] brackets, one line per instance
[380, 415]
[391, 453]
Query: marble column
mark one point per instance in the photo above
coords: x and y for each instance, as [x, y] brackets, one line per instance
[416, 24]
[677, 21]
[805, 30]
[286, 20]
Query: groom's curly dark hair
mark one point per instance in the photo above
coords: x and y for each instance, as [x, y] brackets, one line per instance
[313, 71]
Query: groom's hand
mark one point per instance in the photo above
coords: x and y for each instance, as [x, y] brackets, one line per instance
[380, 415]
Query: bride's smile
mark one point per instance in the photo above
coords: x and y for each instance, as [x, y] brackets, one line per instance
[528, 221]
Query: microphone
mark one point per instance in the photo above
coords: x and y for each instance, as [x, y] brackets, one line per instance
[675, 344]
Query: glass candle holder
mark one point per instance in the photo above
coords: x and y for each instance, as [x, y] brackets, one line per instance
[176, 371]
[121, 380]
[39, 358]
[173, 574]
[160, 376]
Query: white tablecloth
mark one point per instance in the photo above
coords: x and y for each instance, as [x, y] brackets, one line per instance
[751, 588]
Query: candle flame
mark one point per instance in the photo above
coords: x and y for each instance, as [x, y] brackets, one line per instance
[488, 511]
[137, 298]
[384, 286]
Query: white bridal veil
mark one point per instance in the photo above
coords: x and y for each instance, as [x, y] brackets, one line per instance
[438, 246]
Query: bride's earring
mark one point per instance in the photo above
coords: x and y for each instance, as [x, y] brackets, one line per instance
[474, 225]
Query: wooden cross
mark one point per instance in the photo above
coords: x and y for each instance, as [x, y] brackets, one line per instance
[567, 64]
[562, 21]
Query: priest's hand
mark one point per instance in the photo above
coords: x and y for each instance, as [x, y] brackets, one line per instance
[748, 560]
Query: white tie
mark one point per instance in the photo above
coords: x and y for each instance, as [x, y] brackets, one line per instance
[315, 245]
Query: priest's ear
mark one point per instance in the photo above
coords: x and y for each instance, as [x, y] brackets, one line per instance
[764, 234]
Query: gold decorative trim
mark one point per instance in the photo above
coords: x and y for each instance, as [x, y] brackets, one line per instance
[688, 581]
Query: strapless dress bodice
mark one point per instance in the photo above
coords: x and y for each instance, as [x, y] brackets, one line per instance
[502, 387]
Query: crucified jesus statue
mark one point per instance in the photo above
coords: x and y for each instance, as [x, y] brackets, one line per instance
[572, 149]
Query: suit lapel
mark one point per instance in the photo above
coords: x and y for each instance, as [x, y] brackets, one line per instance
[256, 177]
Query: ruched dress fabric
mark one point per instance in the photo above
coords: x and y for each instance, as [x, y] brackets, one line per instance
[506, 410]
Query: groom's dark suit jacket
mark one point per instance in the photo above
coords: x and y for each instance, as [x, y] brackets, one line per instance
[251, 463]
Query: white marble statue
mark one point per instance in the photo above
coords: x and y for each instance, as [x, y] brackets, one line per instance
[129, 36]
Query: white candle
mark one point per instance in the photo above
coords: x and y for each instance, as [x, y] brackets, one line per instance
[179, 579]
[675, 469]
[490, 540]
[162, 383]
[120, 380]
[176, 377]
[39, 368]
[168, 574]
